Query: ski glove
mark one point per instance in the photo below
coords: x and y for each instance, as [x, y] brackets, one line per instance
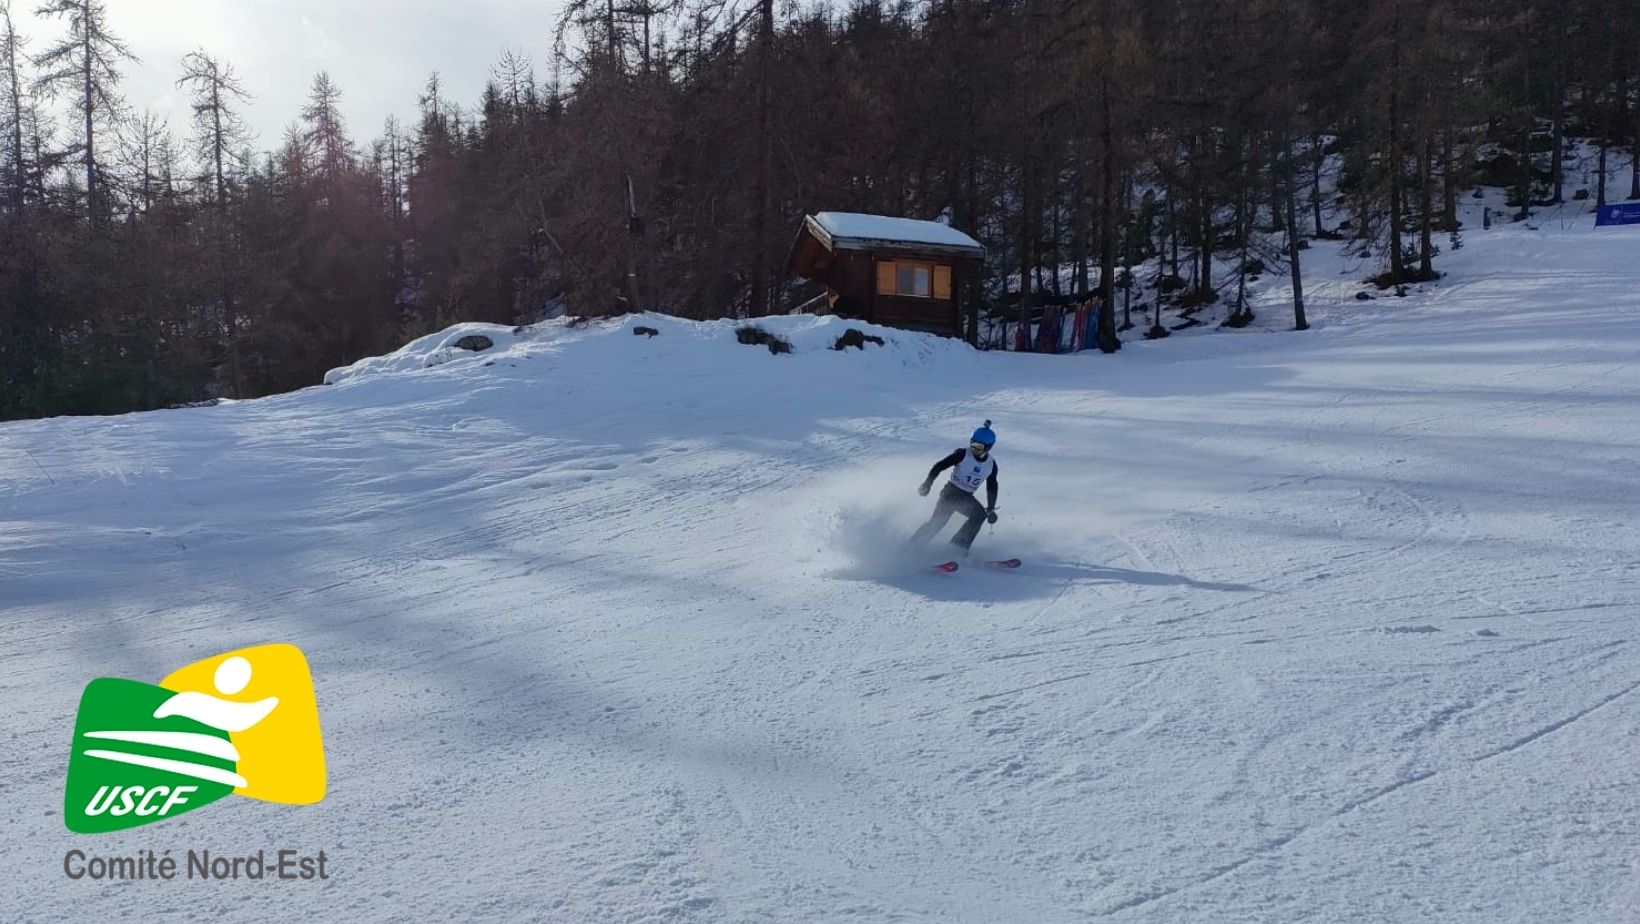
[922, 489]
[991, 516]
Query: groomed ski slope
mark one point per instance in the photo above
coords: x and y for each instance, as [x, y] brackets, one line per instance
[1326, 626]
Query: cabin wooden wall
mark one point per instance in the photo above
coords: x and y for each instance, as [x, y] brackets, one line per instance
[852, 276]
[934, 315]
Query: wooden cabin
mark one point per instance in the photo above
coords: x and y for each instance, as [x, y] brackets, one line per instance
[898, 272]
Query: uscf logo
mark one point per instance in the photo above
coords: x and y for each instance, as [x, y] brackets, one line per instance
[242, 722]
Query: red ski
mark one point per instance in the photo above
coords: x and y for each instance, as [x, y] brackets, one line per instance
[1006, 564]
[945, 567]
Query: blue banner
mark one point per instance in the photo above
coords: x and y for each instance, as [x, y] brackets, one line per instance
[1624, 213]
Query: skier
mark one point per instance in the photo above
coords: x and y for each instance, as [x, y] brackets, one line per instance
[970, 467]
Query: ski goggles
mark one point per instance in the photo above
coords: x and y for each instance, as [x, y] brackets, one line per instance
[979, 449]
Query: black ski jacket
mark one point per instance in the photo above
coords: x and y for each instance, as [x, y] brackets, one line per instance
[956, 457]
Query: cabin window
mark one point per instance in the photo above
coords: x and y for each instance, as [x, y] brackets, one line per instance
[910, 279]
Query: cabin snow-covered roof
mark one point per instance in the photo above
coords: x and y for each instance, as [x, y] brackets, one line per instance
[855, 231]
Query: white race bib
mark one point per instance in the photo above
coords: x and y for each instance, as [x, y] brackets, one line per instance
[970, 473]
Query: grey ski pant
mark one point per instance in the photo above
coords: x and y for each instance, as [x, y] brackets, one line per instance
[952, 500]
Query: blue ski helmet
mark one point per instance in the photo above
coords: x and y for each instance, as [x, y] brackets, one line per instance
[984, 436]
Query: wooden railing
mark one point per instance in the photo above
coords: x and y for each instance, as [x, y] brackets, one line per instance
[809, 305]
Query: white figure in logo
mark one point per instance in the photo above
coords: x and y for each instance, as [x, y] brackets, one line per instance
[226, 715]
[231, 676]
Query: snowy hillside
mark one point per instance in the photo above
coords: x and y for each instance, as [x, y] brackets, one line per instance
[1324, 626]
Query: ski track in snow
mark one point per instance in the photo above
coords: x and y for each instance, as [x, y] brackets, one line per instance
[1331, 626]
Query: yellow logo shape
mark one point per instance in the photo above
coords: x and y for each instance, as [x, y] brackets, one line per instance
[263, 698]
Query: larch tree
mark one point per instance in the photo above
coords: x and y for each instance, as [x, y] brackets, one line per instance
[83, 66]
[219, 129]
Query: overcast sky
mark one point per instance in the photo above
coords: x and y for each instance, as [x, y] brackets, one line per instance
[379, 52]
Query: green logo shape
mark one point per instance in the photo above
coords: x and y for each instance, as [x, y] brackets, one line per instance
[127, 768]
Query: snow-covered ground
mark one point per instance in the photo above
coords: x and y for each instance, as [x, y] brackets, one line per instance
[1326, 626]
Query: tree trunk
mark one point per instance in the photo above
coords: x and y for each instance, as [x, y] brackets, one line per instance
[1295, 270]
[90, 133]
[1127, 292]
[1426, 208]
[1204, 255]
[1614, 130]
[1105, 334]
[1129, 226]
[217, 142]
[648, 14]
[147, 167]
[1244, 220]
[396, 194]
[1557, 157]
[1201, 219]
[1080, 230]
[19, 178]
[1600, 177]
[973, 285]
[634, 244]
[1246, 217]
[1634, 162]
[1525, 189]
[1316, 156]
[760, 281]
[1054, 231]
[1022, 339]
[37, 182]
[236, 371]
[1173, 231]
[1397, 264]
[1168, 241]
[1449, 185]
